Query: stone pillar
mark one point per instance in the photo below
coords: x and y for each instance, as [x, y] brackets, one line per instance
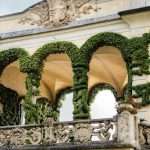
[127, 124]
[80, 97]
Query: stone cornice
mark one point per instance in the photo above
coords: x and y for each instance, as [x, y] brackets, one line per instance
[74, 24]
[51, 15]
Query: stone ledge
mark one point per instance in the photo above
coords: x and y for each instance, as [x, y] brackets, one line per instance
[74, 24]
[136, 10]
[90, 146]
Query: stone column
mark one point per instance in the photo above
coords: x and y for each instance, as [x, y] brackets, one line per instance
[127, 125]
[80, 98]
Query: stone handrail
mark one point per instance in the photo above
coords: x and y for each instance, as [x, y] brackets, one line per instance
[76, 132]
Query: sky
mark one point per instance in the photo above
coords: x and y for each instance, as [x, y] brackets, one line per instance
[13, 6]
[103, 106]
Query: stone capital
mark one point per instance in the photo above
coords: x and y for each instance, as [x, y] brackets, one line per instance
[126, 107]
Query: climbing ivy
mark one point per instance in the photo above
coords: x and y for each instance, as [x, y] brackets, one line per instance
[37, 63]
[138, 47]
[105, 39]
[38, 58]
[143, 91]
[11, 55]
[9, 99]
[39, 112]
[10, 114]
[109, 39]
[140, 57]
[134, 51]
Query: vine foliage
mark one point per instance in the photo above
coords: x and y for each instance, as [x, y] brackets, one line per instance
[134, 52]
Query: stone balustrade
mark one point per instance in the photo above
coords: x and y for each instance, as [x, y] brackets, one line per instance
[76, 132]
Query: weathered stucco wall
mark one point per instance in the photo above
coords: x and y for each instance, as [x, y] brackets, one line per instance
[129, 25]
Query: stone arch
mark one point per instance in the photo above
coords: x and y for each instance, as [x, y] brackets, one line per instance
[11, 55]
[37, 63]
[40, 55]
[108, 39]
[105, 39]
[8, 57]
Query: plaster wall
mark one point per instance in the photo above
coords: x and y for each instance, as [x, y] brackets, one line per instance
[129, 25]
[12, 23]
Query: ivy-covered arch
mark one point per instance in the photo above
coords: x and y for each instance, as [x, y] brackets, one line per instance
[37, 60]
[108, 39]
[37, 64]
[10, 115]
[11, 55]
[134, 52]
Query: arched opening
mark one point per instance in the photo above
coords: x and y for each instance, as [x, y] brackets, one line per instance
[107, 66]
[66, 108]
[12, 82]
[103, 104]
[56, 76]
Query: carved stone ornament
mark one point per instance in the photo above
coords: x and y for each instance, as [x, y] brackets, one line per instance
[64, 134]
[144, 133]
[83, 132]
[58, 133]
[20, 136]
[104, 131]
[52, 13]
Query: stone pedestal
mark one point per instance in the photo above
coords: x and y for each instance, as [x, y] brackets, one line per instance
[128, 126]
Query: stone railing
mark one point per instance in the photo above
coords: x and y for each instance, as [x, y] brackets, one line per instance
[75, 132]
[144, 133]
